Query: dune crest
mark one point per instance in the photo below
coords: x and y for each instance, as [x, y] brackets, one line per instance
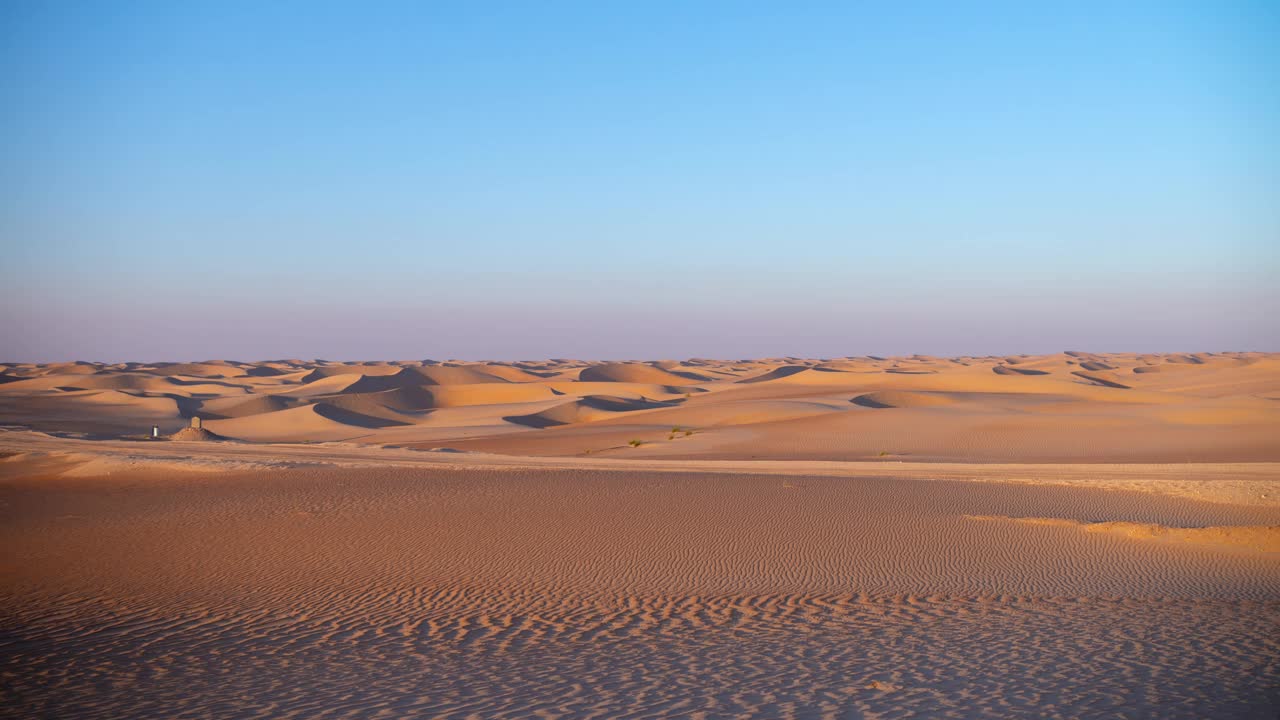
[1058, 408]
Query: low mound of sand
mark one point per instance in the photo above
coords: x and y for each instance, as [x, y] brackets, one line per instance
[191, 434]
[1007, 370]
[1261, 538]
[901, 399]
[318, 422]
[588, 409]
[136, 382]
[1102, 379]
[635, 373]
[777, 374]
[365, 415]
[491, 393]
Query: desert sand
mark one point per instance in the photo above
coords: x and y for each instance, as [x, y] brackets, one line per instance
[1066, 408]
[1073, 535]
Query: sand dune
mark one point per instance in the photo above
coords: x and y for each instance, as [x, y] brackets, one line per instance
[328, 371]
[489, 394]
[1010, 370]
[1066, 535]
[101, 412]
[1069, 406]
[511, 374]
[321, 421]
[901, 399]
[230, 407]
[782, 372]
[636, 373]
[426, 375]
[1102, 378]
[591, 408]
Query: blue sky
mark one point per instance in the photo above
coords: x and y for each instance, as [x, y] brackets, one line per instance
[523, 180]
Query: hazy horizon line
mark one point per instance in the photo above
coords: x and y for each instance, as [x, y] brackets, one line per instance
[619, 359]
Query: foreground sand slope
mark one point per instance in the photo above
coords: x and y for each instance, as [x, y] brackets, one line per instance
[1070, 407]
[451, 591]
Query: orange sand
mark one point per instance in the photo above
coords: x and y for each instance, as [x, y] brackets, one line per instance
[911, 537]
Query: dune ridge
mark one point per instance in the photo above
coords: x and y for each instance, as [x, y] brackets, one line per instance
[1062, 408]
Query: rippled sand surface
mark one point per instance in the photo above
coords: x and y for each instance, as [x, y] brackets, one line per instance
[526, 592]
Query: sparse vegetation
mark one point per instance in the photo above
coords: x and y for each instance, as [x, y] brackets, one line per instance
[884, 453]
[636, 443]
[678, 431]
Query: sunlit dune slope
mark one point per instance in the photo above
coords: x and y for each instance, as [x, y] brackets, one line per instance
[1072, 406]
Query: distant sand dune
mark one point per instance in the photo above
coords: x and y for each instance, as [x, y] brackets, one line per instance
[634, 373]
[1064, 407]
[902, 399]
[591, 408]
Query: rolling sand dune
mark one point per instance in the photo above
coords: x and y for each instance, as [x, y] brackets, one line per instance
[232, 407]
[1009, 370]
[321, 421]
[328, 371]
[591, 408]
[1071, 535]
[636, 373]
[901, 399]
[1069, 407]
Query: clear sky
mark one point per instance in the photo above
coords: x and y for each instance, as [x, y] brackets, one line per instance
[636, 180]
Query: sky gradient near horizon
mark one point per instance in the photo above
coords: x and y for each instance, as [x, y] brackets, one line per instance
[523, 180]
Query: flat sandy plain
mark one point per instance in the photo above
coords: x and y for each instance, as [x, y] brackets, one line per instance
[1072, 535]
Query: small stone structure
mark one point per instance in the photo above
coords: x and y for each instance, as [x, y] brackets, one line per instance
[195, 432]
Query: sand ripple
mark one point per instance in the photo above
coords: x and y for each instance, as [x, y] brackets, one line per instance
[460, 655]
[355, 592]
